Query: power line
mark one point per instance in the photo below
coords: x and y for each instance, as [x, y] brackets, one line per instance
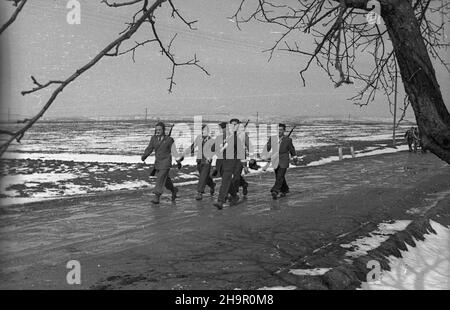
[104, 19]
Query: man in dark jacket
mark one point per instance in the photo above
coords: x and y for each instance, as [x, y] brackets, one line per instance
[280, 147]
[161, 144]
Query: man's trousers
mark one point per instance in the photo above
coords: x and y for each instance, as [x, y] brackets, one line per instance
[163, 179]
[280, 181]
[231, 173]
[204, 178]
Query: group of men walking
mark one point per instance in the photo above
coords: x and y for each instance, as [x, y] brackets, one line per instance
[232, 150]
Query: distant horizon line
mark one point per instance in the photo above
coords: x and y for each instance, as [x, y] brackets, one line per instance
[214, 118]
[170, 115]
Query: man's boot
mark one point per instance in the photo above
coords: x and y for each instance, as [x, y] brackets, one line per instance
[274, 195]
[245, 190]
[174, 193]
[199, 196]
[234, 200]
[212, 189]
[155, 199]
[218, 205]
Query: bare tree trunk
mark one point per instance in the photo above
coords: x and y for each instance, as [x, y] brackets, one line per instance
[418, 76]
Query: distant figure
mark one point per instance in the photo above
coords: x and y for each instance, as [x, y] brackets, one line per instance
[410, 137]
[161, 144]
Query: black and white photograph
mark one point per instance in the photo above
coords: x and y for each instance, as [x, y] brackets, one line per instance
[224, 151]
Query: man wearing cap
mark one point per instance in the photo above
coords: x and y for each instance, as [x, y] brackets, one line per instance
[161, 144]
[281, 147]
[231, 149]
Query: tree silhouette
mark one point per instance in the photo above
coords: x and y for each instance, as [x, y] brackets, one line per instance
[410, 31]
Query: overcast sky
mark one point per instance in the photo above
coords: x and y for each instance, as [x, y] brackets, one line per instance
[41, 43]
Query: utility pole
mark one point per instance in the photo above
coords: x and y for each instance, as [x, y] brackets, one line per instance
[395, 106]
[257, 134]
[145, 114]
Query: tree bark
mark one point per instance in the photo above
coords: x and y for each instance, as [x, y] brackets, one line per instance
[418, 75]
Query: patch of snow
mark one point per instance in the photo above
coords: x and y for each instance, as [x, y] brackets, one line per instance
[34, 178]
[387, 150]
[69, 191]
[373, 137]
[423, 267]
[188, 183]
[362, 245]
[30, 180]
[185, 176]
[127, 185]
[309, 272]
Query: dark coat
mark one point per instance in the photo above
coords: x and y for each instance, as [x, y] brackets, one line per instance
[238, 149]
[163, 154]
[284, 148]
[232, 155]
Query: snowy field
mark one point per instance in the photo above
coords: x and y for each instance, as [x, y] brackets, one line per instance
[130, 138]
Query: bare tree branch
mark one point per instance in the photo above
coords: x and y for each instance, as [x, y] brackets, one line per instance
[175, 12]
[113, 49]
[119, 4]
[62, 84]
[19, 4]
[40, 86]
[410, 33]
[166, 51]
[341, 31]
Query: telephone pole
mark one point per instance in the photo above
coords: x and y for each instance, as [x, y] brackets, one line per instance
[257, 134]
